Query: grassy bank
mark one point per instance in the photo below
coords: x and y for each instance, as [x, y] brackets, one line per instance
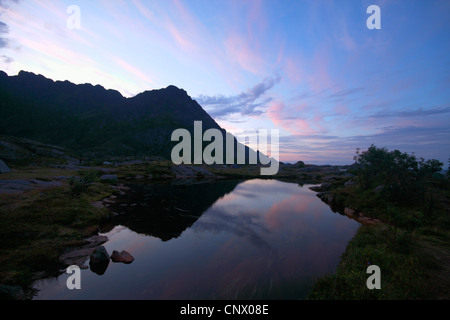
[412, 243]
[37, 225]
[410, 268]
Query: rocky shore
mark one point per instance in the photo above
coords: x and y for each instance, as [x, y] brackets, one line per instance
[325, 194]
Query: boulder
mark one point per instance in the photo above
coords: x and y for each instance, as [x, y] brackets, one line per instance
[79, 255]
[95, 241]
[76, 257]
[350, 212]
[122, 256]
[3, 167]
[99, 255]
[99, 260]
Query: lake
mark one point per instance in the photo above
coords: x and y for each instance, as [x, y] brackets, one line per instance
[253, 239]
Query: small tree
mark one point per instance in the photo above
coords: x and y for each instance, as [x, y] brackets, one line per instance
[402, 176]
[432, 166]
[299, 164]
[78, 185]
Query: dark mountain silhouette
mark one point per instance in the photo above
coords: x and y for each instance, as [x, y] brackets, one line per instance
[165, 210]
[94, 121]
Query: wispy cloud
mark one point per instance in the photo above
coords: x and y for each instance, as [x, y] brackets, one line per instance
[292, 118]
[3, 30]
[7, 59]
[243, 53]
[4, 3]
[421, 140]
[418, 112]
[345, 93]
[132, 70]
[250, 102]
[145, 11]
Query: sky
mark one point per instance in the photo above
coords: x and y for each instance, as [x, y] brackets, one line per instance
[314, 70]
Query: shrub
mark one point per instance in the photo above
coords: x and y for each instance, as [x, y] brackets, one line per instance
[78, 185]
[299, 164]
[403, 176]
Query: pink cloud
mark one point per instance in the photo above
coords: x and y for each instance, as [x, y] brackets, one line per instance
[240, 51]
[294, 70]
[133, 70]
[182, 39]
[185, 15]
[243, 44]
[312, 72]
[341, 109]
[56, 51]
[286, 118]
[319, 77]
[256, 19]
[185, 29]
[147, 13]
[58, 10]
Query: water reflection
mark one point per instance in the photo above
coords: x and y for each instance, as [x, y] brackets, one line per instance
[259, 239]
[165, 210]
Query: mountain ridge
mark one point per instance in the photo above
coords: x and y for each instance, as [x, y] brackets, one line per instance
[94, 121]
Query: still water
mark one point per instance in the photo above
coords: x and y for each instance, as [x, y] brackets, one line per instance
[254, 239]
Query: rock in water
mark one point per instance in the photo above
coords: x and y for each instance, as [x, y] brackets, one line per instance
[99, 255]
[99, 260]
[80, 255]
[123, 257]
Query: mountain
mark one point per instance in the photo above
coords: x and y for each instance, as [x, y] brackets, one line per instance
[94, 121]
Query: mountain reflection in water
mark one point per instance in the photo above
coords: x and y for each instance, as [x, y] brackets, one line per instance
[257, 239]
[165, 210]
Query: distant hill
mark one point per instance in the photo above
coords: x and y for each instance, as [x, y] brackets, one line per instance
[94, 121]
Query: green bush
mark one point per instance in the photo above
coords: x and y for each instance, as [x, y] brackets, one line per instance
[399, 176]
[80, 184]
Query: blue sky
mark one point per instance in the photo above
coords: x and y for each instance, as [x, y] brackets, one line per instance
[311, 69]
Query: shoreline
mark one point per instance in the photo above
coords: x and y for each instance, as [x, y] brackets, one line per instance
[76, 243]
[415, 262]
[48, 250]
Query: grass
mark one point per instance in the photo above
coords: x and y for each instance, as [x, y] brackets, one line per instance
[401, 270]
[39, 173]
[240, 172]
[411, 247]
[36, 226]
[154, 170]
